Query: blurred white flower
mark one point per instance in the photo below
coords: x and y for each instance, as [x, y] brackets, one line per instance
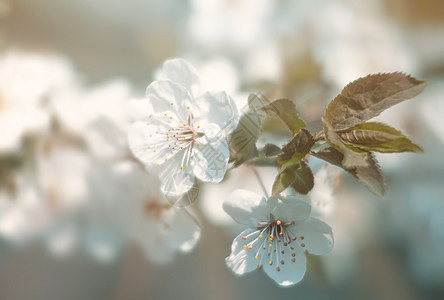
[279, 235]
[100, 115]
[187, 132]
[25, 80]
[131, 208]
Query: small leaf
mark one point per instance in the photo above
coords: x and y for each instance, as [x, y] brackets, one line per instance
[304, 179]
[285, 109]
[271, 150]
[283, 180]
[297, 148]
[370, 176]
[367, 97]
[330, 155]
[242, 142]
[379, 137]
[353, 157]
[298, 176]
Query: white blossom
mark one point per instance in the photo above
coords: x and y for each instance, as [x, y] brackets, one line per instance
[186, 134]
[279, 235]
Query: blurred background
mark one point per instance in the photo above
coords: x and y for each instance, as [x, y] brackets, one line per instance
[67, 72]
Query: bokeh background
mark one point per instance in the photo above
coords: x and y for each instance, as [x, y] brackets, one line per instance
[67, 71]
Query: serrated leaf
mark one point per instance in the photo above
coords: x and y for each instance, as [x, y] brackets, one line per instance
[370, 176]
[353, 157]
[297, 148]
[285, 109]
[379, 137]
[304, 179]
[271, 150]
[367, 97]
[242, 142]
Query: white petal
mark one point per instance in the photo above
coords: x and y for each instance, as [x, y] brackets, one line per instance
[291, 210]
[180, 71]
[217, 108]
[178, 185]
[150, 233]
[148, 142]
[183, 231]
[210, 160]
[241, 260]
[290, 272]
[162, 93]
[318, 236]
[246, 207]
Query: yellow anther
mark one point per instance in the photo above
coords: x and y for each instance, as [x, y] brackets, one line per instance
[256, 257]
[157, 131]
[166, 159]
[270, 262]
[172, 103]
[147, 123]
[301, 237]
[260, 223]
[154, 150]
[278, 222]
[149, 147]
[250, 247]
[306, 251]
[171, 117]
[271, 245]
[244, 247]
[261, 236]
[181, 168]
[188, 107]
[150, 116]
[302, 245]
[198, 144]
[186, 165]
[278, 269]
[244, 237]
[165, 115]
[168, 136]
[198, 126]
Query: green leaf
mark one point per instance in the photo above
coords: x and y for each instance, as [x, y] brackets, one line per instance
[353, 157]
[283, 180]
[297, 148]
[367, 97]
[242, 142]
[271, 150]
[379, 137]
[370, 176]
[304, 179]
[285, 109]
[299, 176]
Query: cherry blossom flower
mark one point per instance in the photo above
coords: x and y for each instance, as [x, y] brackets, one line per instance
[186, 133]
[279, 235]
[127, 209]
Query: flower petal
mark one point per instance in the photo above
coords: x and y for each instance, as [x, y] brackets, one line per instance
[181, 71]
[291, 210]
[318, 236]
[170, 97]
[217, 108]
[175, 182]
[146, 143]
[291, 271]
[246, 207]
[241, 260]
[183, 231]
[210, 160]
